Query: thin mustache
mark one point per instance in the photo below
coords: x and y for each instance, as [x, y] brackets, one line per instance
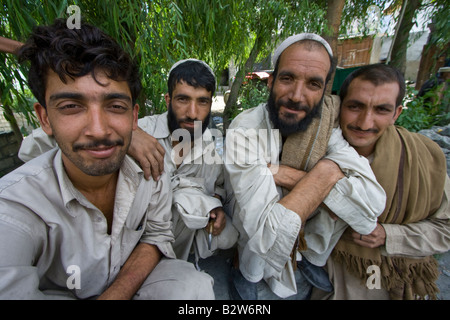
[356, 128]
[97, 144]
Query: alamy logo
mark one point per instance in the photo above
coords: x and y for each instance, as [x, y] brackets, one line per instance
[374, 280]
[74, 21]
[74, 279]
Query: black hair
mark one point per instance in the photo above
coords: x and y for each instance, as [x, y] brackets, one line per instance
[195, 74]
[75, 53]
[377, 74]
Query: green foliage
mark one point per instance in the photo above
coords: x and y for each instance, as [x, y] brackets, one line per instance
[160, 32]
[426, 111]
[251, 95]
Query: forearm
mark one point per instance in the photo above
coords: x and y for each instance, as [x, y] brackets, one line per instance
[312, 189]
[9, 45]
[286, 176]
[136, 269]
[427, 237]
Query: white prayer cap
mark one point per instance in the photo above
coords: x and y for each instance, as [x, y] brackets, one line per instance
[176, 64]
[298, 37]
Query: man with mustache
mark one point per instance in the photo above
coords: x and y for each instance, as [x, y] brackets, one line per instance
[288, 166]
[80, 221]
[191, 161]
[411, 168]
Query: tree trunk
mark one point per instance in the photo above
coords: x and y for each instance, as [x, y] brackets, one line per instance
[334, 14]
[432, 59]
[237, 83]
[404, 25]
[9, 116]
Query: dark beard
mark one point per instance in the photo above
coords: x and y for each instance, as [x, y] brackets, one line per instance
[287, 129]
[174, 125]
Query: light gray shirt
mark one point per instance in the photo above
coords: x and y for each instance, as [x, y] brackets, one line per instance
[54, 242]
[196, 181]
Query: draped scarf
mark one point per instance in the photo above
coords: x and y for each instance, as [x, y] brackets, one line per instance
[302, 150]
[412, 170]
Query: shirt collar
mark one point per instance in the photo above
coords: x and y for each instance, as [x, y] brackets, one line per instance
[129, 170]
[161, 127]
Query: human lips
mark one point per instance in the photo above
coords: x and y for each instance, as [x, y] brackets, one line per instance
[101, 152]
[291, 108]
[362, 133]
[98, 149]
[188, 124]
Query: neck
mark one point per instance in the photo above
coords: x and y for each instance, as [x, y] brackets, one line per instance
[99, 190]
[85, 182]
[365, 151]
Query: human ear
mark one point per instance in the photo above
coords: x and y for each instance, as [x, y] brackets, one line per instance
[135, 116]
[270, 82]
[167, 98]
[42, 115]
[398, 111]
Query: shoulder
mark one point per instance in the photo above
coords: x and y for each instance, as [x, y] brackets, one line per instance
[27, 195]
[36, 172]
[254, 118]
[420, 141]
[155, 125]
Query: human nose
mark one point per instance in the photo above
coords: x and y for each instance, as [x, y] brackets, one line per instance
[97, 125]
[192, 110]
[297, 92]
[365, 120]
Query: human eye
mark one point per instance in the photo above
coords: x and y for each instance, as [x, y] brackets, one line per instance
[204, 102]
[316, 85]
[352, 107]
[285, 78]
[118, 108]
[383, 110]
[69, 108]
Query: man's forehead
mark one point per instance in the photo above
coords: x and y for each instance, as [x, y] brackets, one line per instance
[359, 85]
[366, 90]
[183, 86]
[298, 56]
[87, 85]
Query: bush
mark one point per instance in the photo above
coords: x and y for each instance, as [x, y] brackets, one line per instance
[425, 111]
[251, 95]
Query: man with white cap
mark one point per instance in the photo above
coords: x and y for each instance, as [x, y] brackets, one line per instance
[195, 168]
[287, 162]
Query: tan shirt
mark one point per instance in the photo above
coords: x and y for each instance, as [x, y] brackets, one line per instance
[420, 239]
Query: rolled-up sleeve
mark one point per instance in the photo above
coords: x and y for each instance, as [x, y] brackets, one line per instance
[158, 229]
[267, 228]
[358, 198]
[423, 238]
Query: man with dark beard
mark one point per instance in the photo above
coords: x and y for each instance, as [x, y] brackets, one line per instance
[195, 167]
[191, 161]
[287, 162]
